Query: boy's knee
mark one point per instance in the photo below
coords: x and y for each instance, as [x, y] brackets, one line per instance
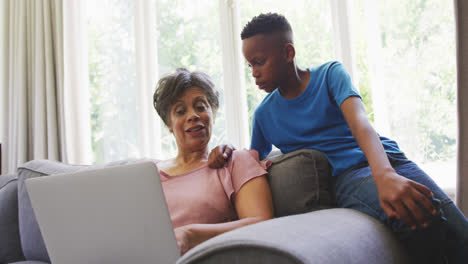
[425, 245]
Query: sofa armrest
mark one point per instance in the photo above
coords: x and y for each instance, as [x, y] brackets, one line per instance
[325, 236]
[10, 246]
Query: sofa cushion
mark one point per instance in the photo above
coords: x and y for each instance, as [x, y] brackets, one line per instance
[31, 239]
[300, 182]
[10, 246]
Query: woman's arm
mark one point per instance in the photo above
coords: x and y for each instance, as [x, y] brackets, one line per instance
[253, 204]
[398, 195]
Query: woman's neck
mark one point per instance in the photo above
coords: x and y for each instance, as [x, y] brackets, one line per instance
[185, 161]
[191, 157]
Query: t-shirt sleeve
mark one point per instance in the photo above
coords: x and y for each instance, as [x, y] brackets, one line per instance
[339, 83]
[244, 166]
[258, 142]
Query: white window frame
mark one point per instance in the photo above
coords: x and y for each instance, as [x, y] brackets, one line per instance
[343, 36]
[235, 98]
[374, 51]
[149, 125]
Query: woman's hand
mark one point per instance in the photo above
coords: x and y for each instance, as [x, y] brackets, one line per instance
[219, 156]
[184, 238]
[404, 199]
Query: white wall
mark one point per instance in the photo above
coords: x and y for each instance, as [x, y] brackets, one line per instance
[3, 71]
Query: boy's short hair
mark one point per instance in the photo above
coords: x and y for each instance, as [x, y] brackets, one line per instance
[266, 24]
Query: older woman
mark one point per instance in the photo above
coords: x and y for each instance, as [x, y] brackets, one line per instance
[205, 202]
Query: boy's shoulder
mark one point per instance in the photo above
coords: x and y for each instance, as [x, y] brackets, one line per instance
[267, 105]
[325, 67]
[330, 72]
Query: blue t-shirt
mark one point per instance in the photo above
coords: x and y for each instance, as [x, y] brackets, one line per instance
[313, 120]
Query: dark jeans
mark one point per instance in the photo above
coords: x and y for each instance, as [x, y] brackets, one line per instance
[444, 241]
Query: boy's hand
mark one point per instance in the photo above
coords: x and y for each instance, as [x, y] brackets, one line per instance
[219, 155]
[402, 198]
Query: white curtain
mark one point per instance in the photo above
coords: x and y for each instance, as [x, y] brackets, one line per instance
[3, 73]
[76, 103]
[41, 97]
[149, 128]
[461, 21]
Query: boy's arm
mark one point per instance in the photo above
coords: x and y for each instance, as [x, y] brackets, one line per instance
[398, 195]
[258, 141]
[219, 155]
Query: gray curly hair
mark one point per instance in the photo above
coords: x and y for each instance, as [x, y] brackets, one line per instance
[172, 86]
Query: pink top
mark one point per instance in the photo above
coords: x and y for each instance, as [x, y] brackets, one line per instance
[204, 195]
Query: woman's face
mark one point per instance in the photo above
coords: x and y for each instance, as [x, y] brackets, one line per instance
[191, 119]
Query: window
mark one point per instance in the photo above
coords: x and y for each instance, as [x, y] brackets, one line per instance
[112, 79]
[404, 62]
[190, 40]
[412, 88]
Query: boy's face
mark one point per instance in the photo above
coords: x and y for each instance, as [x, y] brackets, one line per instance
[264, 54]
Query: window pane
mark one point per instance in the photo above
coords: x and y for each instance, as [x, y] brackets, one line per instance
[418, 80]
[191, 39]
[111, 54]
[185, 39]
[313, 38]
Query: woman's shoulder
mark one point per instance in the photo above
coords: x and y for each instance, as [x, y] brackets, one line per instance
[244, 166]
[245, 154]
[247, 158]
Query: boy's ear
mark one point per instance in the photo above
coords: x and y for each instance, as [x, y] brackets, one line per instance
[289, 52]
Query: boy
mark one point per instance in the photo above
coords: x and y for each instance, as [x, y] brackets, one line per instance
[319, 108]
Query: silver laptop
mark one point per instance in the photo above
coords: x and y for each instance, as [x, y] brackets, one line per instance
[108, 215]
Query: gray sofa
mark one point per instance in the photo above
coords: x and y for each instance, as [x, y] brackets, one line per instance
[306, 228]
